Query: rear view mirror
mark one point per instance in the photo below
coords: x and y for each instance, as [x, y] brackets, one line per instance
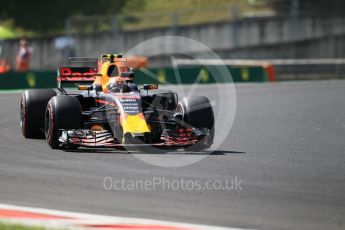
[150, 86]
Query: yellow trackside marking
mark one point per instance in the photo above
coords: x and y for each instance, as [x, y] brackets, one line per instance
[245, 74]
[135, 124]
[31, 78]
[204, 75]
[161, 76]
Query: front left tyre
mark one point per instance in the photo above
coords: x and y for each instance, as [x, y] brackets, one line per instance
[197, 112]
[32, 110]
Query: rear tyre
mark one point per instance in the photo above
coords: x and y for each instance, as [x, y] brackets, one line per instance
[197, 112]
[32, 110]
[63, 112]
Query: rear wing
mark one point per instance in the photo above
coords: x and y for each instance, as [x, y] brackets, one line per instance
[75, 75]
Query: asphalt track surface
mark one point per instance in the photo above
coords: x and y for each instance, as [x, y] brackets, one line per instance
[287, 146]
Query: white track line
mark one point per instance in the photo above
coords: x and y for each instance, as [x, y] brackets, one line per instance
[82, 219]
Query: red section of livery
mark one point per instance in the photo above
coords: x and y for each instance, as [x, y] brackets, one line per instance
[106, 103]
[76, 74]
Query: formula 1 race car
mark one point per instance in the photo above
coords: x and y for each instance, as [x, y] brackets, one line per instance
[112, 111]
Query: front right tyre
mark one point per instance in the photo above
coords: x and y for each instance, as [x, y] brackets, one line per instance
[63, 112]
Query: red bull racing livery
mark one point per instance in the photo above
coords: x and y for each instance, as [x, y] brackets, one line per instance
[112, 111]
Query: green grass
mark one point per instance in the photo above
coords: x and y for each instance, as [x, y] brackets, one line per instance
[7, 226]
[162, 13]
[146, 14]
[177, 5]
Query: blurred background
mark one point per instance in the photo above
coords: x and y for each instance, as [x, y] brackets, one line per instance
[296, 36]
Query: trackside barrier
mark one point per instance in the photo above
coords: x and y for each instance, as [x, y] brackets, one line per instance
[270, 72]
[268, 66]
[25, 80]
[186, 75]
[202, 75]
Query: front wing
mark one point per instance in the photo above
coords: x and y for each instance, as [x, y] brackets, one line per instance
[103, 138]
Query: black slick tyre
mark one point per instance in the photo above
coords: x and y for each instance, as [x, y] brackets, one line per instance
[32, 111]
[63, 112]
[197, 112]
